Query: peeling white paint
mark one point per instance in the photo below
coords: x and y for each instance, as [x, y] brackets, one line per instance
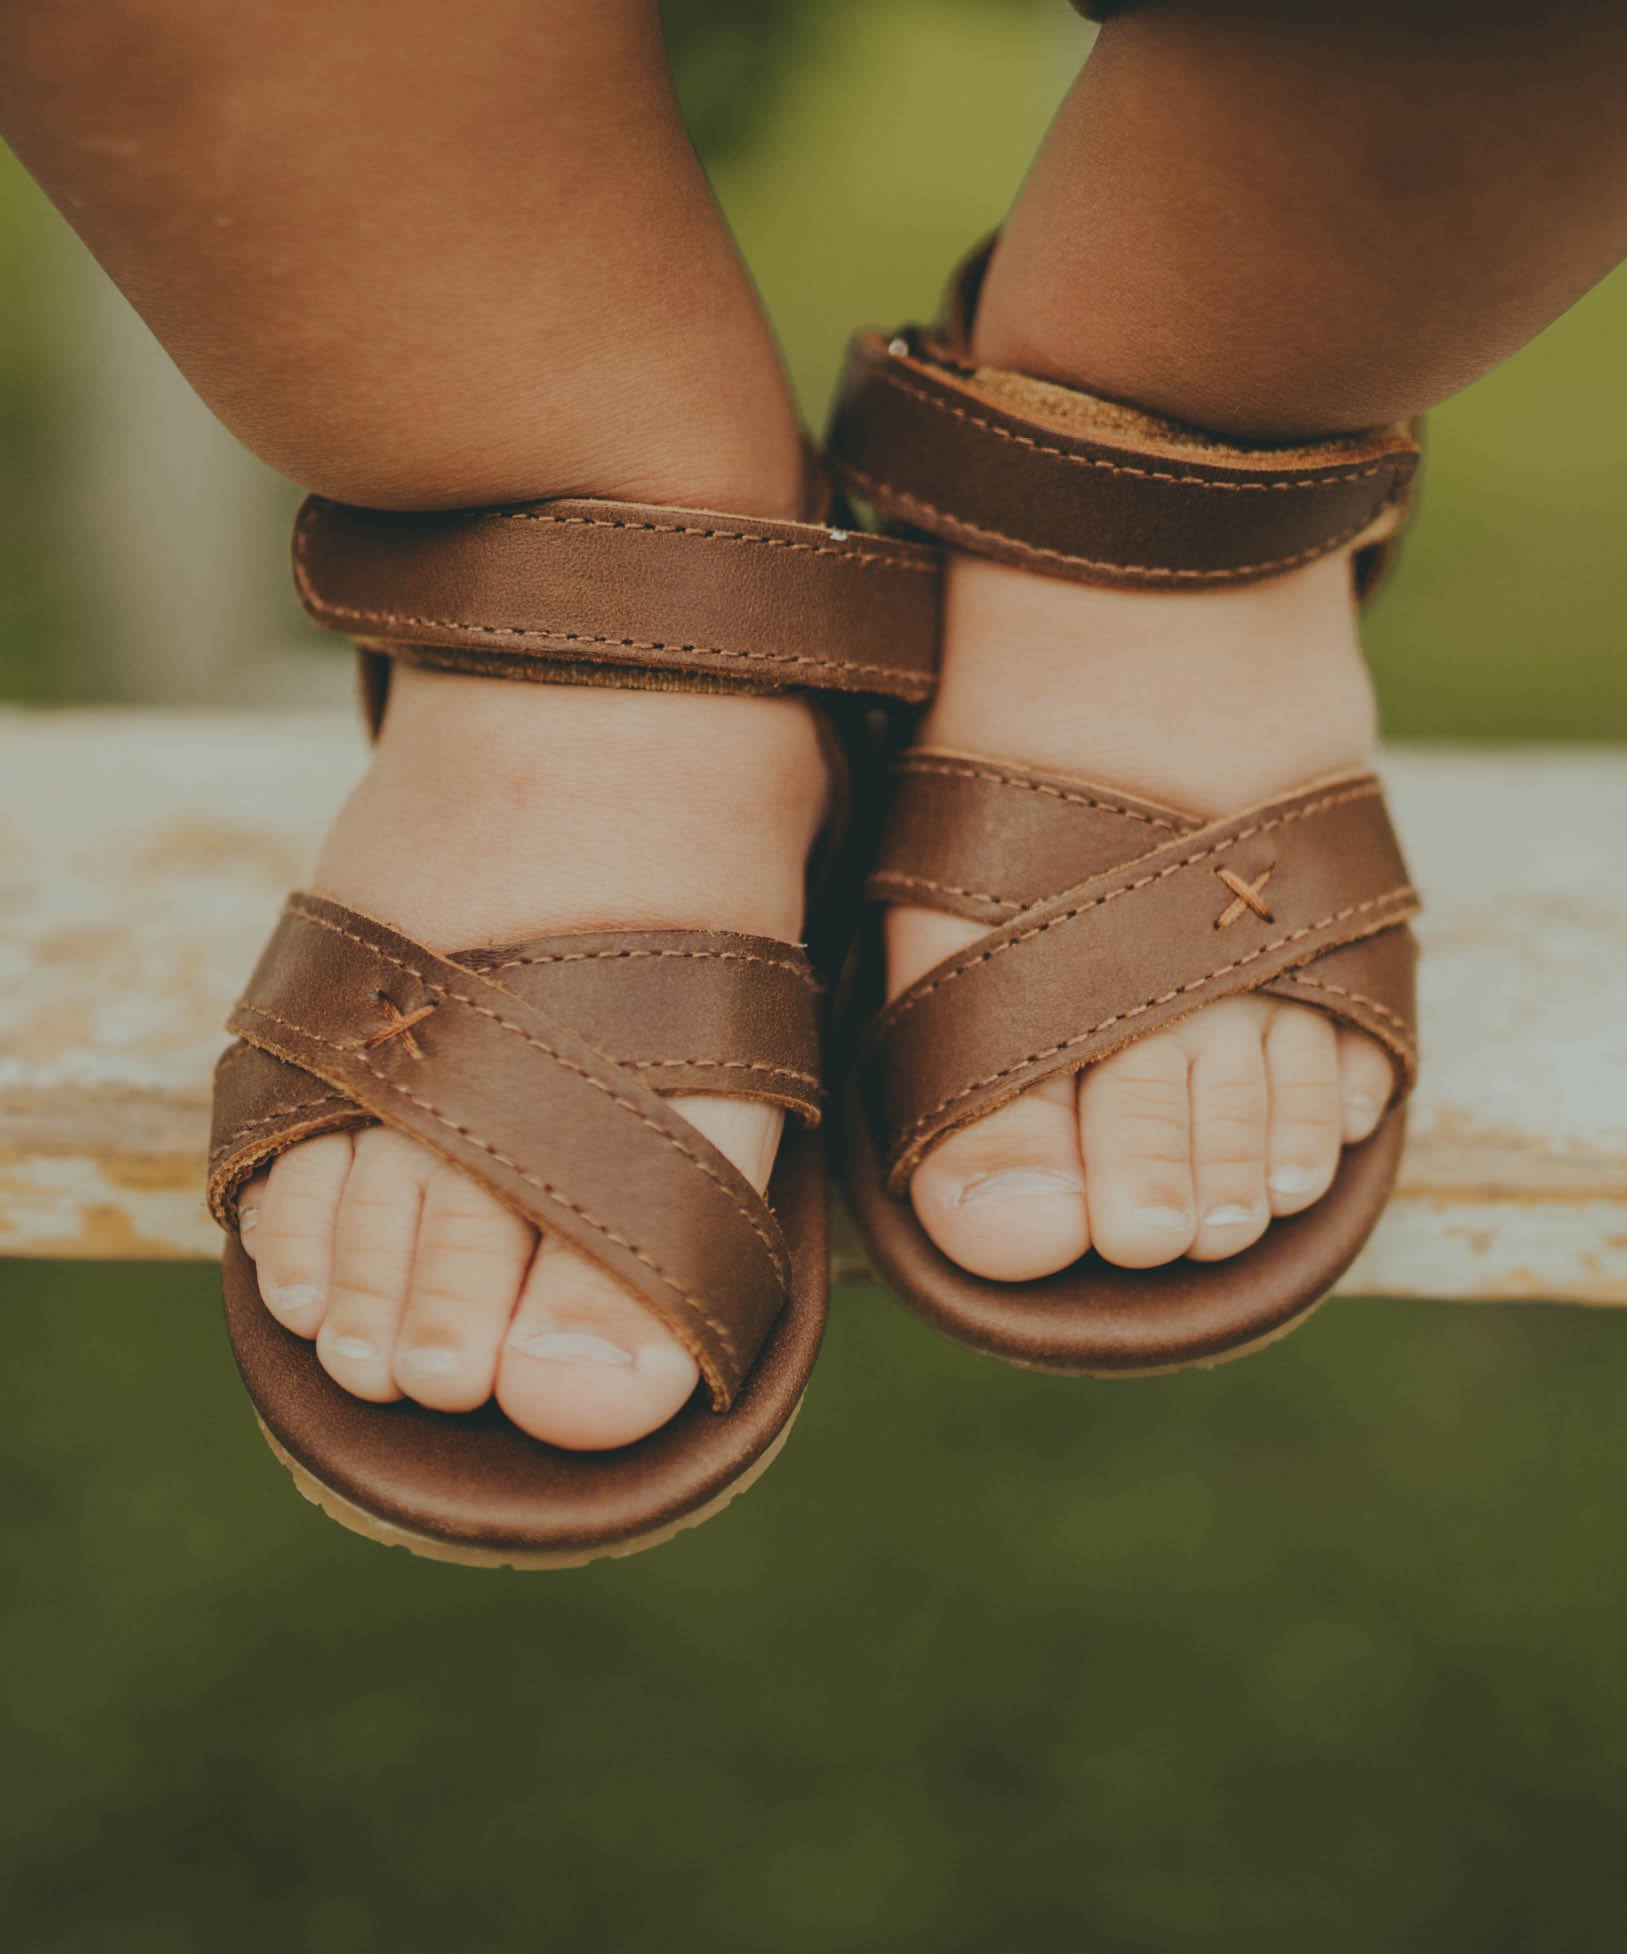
[144, 856]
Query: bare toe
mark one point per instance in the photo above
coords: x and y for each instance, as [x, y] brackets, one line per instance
[471, 1258]
[248, 1212]
[1302, 1071]
[1005, 1198]
[1230, 1108]
[372, 1262]
[1135, 1122]
[287, 1218]
[1366, 1081]
[586, 1366]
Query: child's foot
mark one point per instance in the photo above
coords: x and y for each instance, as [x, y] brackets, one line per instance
[1189, 1141]
[494, 812]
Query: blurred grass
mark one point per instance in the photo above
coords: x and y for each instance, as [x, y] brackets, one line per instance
[1316, 1652]
[1320, 1651]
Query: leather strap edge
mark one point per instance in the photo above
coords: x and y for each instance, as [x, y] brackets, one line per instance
[1068, 484]
[691, 596]
[366, 1068]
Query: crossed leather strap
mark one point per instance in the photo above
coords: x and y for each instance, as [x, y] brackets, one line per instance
[541, 1071]
[1112, 917]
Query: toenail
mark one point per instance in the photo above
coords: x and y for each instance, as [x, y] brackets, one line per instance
[293, 1295]
[572, 1347]
[248, 1219]
[1233, 1215]
[1292, 1179]
[430, 1360]
[1170, 1219]
[356, 1349]
[1019, 1184]
[1361, 1105]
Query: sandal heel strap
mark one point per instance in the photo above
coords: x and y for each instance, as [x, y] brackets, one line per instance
[625, 590]
[1066, 483]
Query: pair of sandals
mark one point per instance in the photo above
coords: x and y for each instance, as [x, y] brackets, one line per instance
[543, 1069]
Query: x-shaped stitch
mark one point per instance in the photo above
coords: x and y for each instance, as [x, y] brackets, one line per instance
[1246, 896]
[403, 1022]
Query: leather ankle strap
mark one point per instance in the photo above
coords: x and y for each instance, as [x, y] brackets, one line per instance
[1071, 485]
[617, 592]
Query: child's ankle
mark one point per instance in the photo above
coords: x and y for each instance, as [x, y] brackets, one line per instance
[1206, 699]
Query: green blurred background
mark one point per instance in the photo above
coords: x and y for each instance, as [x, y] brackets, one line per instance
[1320, 1651]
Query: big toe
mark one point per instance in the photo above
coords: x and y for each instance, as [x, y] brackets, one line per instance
[1005, 1198]
[583, 1365]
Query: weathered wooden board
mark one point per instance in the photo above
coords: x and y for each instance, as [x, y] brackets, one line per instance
[143, 856]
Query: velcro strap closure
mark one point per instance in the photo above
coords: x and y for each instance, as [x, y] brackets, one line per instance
[1229, 907]
[627, 587]
[1062, 482]
[533, 1111]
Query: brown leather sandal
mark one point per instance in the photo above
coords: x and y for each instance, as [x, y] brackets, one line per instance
[542, 1069]
[1111, 916]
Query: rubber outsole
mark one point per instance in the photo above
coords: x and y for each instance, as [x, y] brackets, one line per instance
[427, 1546]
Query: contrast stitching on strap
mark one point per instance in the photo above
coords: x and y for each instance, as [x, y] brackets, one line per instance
[1369, 790]
[1245, 896]
[890, 878]
[892, 378]
[870, 559]
[357, 616]
[242, 1126]
[400, 1026]
[927, 762]
[721, 1065]
[1408, 1035]
[792, 968]
[532, 1180]
[326, 607]
[1236, 570]
[1151, 1004]
[776, 1253]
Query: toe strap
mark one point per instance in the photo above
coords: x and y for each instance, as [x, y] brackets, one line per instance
[346, 1021]
[1306, 896]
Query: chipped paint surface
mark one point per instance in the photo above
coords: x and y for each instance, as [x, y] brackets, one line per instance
[144, 855]
[143, 859]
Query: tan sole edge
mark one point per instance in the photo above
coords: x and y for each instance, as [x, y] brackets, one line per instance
[851, 1262]
[426, 1546]
[1163, 1370]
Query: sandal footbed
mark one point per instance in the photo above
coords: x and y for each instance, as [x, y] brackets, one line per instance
[1096, 1319]
[475, 1485]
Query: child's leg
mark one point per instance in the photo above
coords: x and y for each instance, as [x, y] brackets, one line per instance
[415, 254]
[419, 254]
[1271, 219]
[1266, 219]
